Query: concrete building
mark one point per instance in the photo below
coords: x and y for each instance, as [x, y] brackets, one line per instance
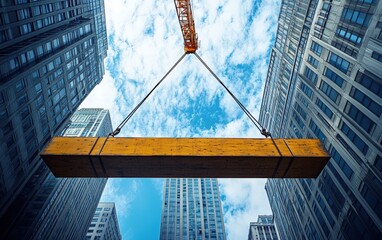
[336, 96]
[263, 229]
[62, 208]
[51, 58]
[104, 225]
[191, 209]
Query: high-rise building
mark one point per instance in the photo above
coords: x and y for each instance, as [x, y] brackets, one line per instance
[104, 225]
[263, 229]
[62, 208]
[336, 97]
[51, 58]
[191, 209]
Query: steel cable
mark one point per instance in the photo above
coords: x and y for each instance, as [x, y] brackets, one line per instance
[118, 129]
[262, 130]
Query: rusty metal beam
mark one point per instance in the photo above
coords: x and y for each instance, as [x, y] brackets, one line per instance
[185, 157]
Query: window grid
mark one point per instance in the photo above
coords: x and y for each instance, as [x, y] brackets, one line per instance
[316, 48]
[338, 62]
[354, 138]
[366, 101]
[330, 92]
[334, 77]
[359, 117]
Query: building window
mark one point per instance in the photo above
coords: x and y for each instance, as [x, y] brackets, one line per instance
[349, 35]
[377, 56]
[341, 163]
[316, 48]
[317, 131]
[359, 117]
[30, 55]
[369, 83]
[40, 51]
[23, 98]
[330, 92]
[305, 89]
[338, 62]
[24, 13]
[300, 111]
[366, 101]
[20, 85]
[312, 76]
[355, 16]
[298, 120]
[345, 48]
[50, 66]
[38, 24]
[313, 61]
[48, 47]
[324, 108]
[25, 28]
[13, 63]
[334, 77]
[354, 138]
[57, 61]
[56, 43]
[365, 1]
[325, 210]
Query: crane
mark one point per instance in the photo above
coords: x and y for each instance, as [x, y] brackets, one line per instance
[185, 157]
[187, 25]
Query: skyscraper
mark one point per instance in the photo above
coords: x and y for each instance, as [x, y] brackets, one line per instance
[336, 97]
[191, 209]
[263, 229]
[62, 208]
[104, 225]
[51, 58]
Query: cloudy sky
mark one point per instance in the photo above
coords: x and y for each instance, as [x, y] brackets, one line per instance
[144, 42]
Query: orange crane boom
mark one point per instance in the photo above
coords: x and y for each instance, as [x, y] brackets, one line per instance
[186, 21]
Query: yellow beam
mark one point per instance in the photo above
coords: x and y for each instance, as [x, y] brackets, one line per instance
[185, 157]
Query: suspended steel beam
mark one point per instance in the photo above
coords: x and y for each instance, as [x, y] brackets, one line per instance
[185, 157]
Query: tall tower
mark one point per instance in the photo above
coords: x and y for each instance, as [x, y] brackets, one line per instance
[263, 229]
[51, 58]
[104, 225]
[62, 208]
[337, 98]
[191, 209]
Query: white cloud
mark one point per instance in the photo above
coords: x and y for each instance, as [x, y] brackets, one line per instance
[145, 41]
[244, 201]
[114, 192]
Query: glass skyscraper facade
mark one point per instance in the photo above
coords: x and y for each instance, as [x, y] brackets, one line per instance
[104, 225]
[263, 229]
[336, 96]
[191, 209]
[62, 208]
[51, 58]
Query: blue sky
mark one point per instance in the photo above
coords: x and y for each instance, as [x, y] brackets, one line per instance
[144, 42]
